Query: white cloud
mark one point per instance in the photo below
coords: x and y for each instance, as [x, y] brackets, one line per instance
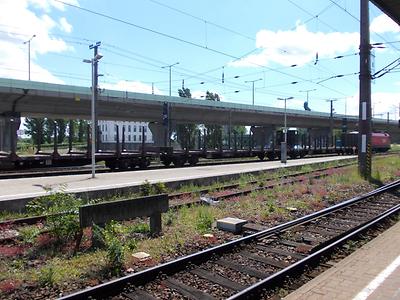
[131, 86]
[65, 26]
[298, 46]
[383, 23]
[46, 5]
[20, 20]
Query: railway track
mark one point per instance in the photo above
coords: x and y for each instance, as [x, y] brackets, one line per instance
[60, 171]
[175, 199]
[251, 266]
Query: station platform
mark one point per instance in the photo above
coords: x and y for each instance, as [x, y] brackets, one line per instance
[25, 188]
[371, 272]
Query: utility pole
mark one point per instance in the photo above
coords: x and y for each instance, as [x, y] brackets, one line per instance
[284, 144]
[252, 81]
[331, 121]
[94, 64]
[168, 133]
[95, 83]
[29, 55]
[364, 139]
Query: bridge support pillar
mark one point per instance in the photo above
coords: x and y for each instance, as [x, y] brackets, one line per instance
[9, 124]
[262, 135]
[158, 132]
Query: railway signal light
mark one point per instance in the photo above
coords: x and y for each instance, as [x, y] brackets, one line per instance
[165, 114]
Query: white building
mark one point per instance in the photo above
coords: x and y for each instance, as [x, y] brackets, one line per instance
[133, 133]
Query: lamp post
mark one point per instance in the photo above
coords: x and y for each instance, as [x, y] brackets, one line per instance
[29, 55]
[93, 63]
[170, 66]
[284, 143]
[252, 81]
[167, 140]
[307, 91]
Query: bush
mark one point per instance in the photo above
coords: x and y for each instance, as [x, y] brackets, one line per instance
[204, 220]
[160, 188]
[145, 188]
[46, 276]
[114, 247]
[28, 234]
[62, 213]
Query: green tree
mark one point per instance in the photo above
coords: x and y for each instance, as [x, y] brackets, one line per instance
[186, 133]
[48, 130]
[35, 128]
[61, 130]
[214, 132]
[82, 130]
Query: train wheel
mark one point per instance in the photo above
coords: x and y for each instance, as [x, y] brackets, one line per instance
[123, 164]
[143, 163]
[261, 156]
[193, 160]
[111, 164]
[166, 162]
[178, 162]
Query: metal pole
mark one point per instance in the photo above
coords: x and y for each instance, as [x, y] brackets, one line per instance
[29, 60]
[284, 144]
[252, 81]
[93, 122]
[170, 80]
[29, 55]
[364, 140]
[285, 123]
[307, 91]
[253, 94]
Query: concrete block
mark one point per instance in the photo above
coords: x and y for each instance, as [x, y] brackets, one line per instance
[102, 213]
[231, 224]
[141, 256]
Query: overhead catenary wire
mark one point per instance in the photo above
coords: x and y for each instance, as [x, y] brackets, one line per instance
[183, 40]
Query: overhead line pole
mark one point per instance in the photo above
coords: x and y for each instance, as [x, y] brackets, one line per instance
[364, 139]
[168, 133]
[94, 64]
[331, 121]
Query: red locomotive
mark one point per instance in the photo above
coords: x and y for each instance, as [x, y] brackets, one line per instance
[380, 141]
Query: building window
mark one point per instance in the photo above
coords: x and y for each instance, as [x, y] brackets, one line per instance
[134, 138]
[129, 128]
[129, 138]
[140, 128]
[140, 138]
[145, 129]
[134, 128]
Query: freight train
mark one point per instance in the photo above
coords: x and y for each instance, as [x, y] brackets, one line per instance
[298, 145]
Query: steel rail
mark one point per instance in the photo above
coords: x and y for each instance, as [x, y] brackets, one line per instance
[110, 288]
[34, 219]
[312, 259]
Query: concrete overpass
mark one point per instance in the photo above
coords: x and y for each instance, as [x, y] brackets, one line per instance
[37, 99]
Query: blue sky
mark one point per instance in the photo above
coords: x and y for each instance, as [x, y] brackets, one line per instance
[275, 41]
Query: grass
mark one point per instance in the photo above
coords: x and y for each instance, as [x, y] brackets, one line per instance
[187, 225]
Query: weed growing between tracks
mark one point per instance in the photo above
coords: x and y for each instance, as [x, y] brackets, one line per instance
[38, 269]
